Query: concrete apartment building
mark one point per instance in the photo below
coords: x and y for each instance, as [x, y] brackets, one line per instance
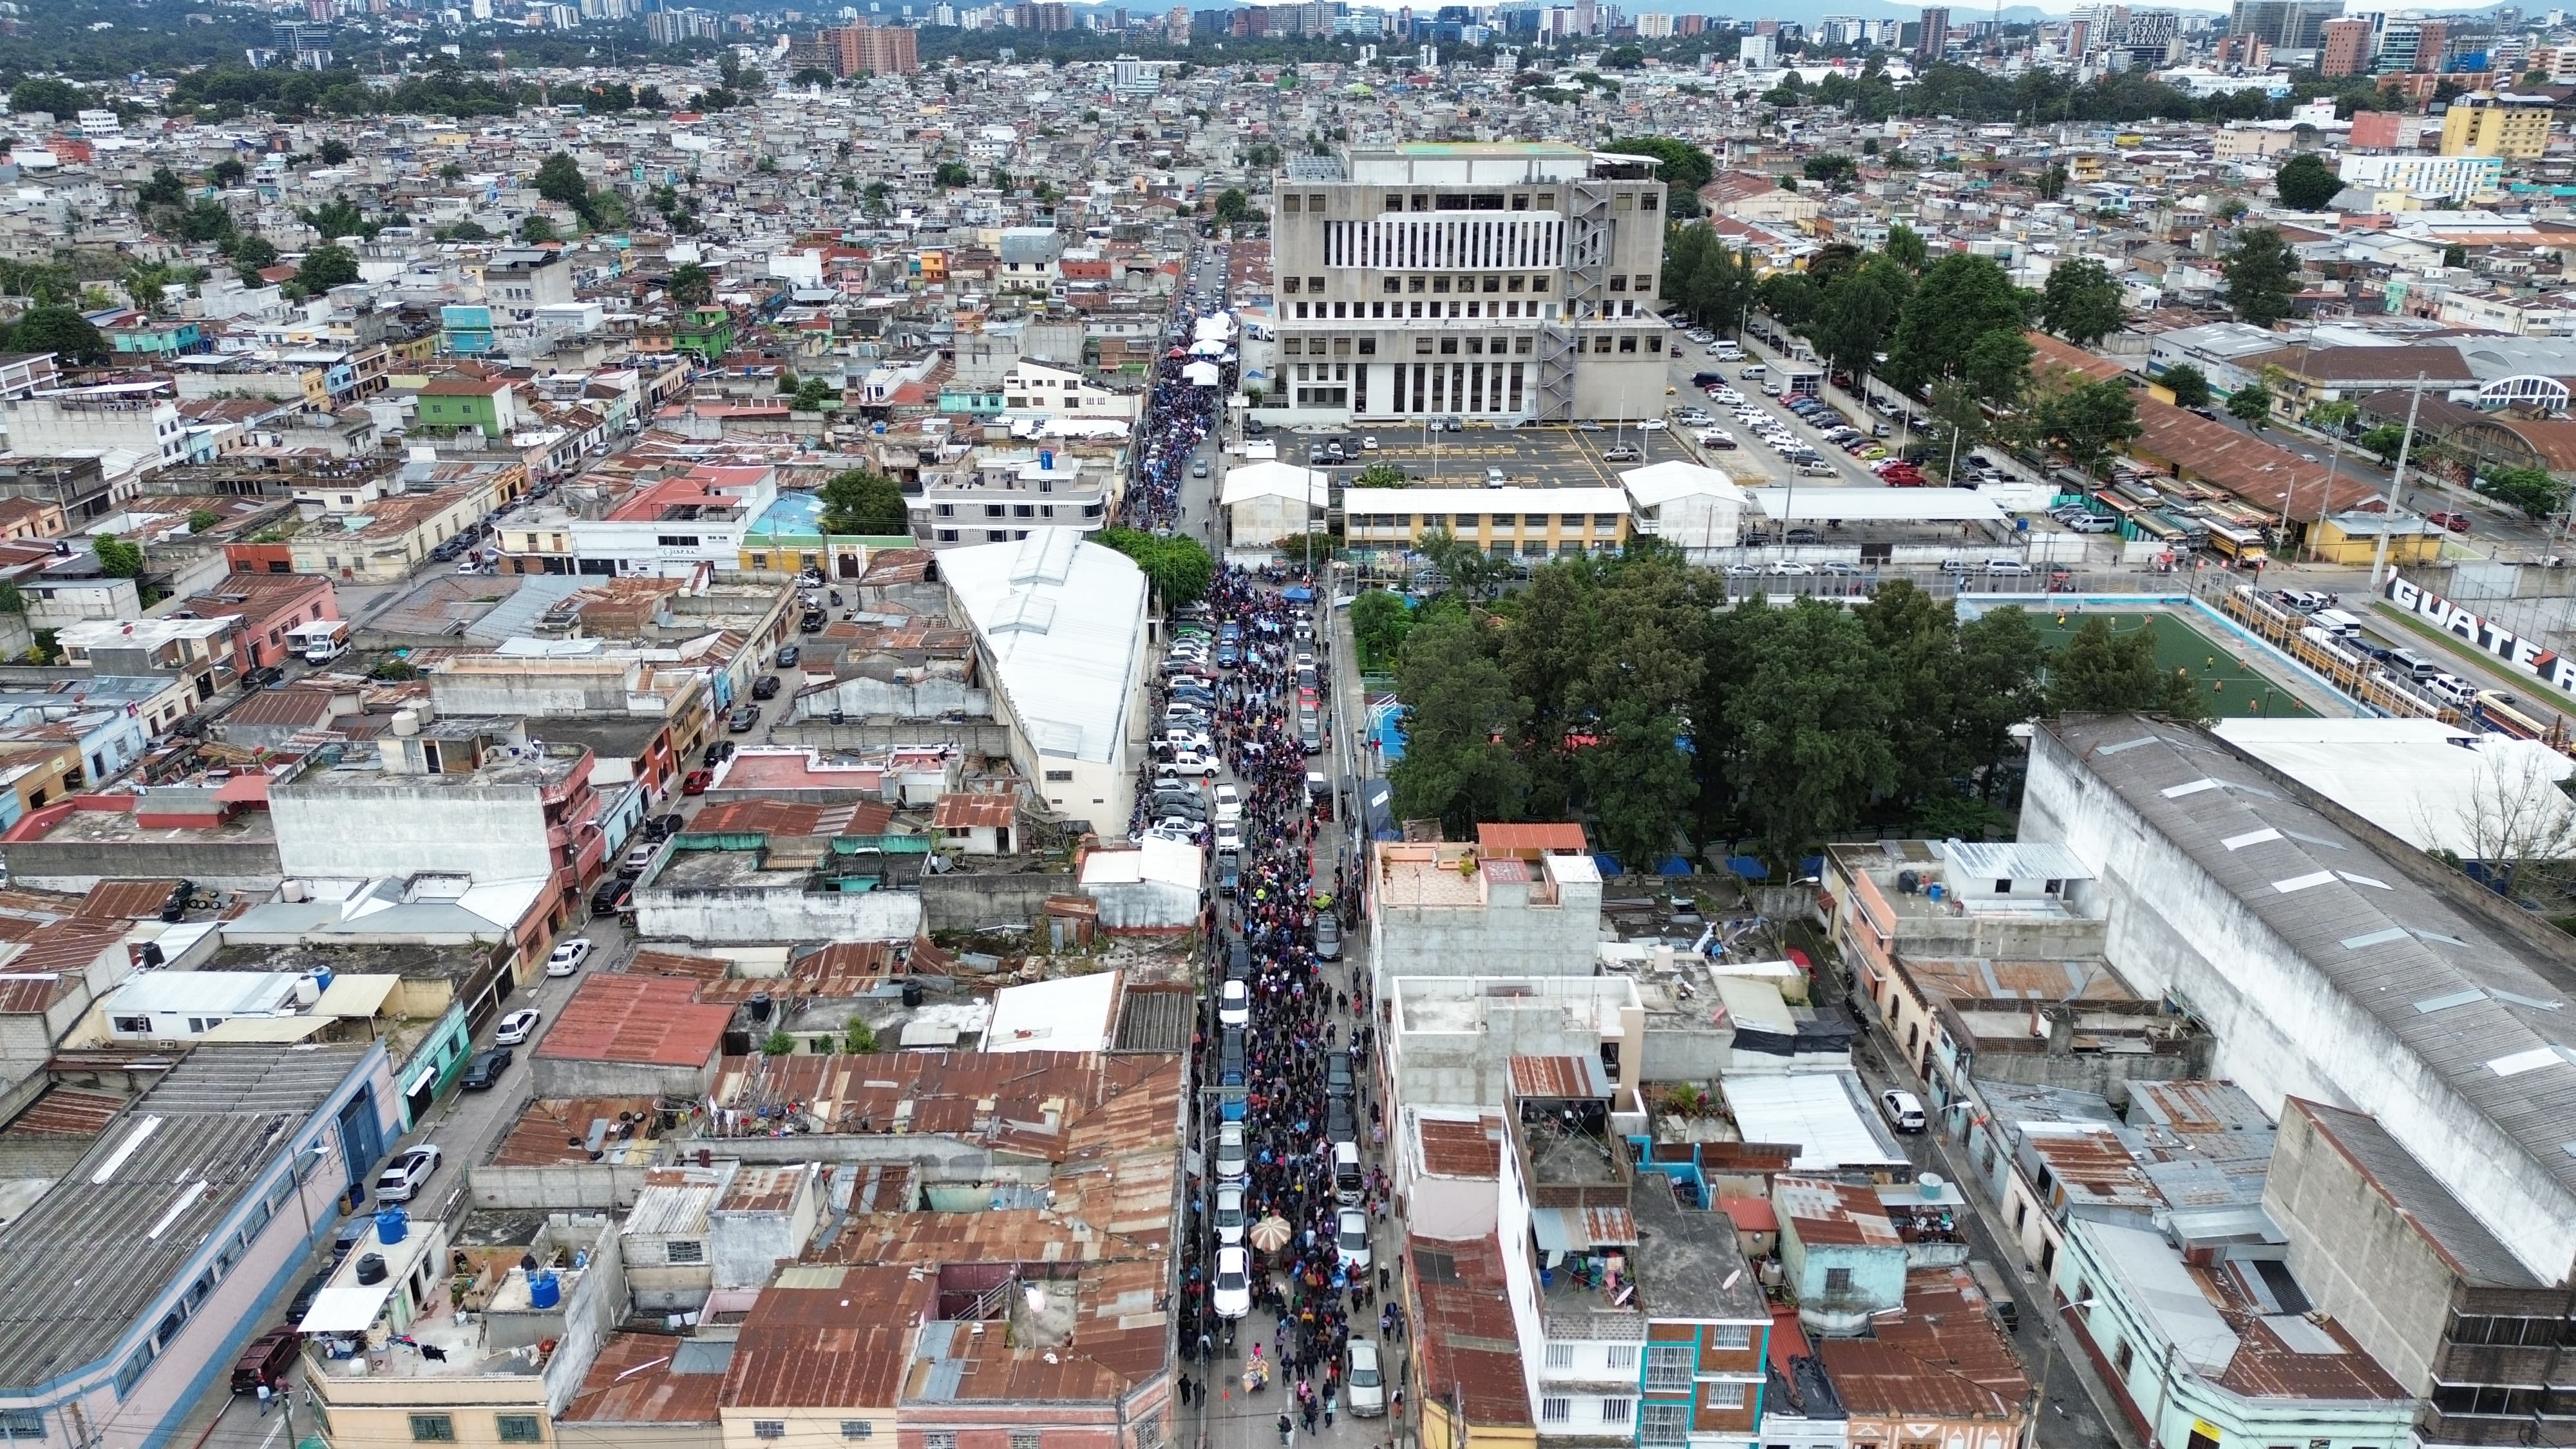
[1638, 1319]
[2488, 124]
[1496, 281]
[462, 797]
[138, 417]
[1442, 909]
[2458, 1320]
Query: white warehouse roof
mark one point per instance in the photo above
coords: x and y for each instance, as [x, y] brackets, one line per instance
[2425, 782]
[1063, 621]
[1878, 505]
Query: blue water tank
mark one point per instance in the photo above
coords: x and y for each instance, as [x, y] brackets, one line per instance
[1046, 459]
[544, 1289]
[1934, 891]
[392, 1225]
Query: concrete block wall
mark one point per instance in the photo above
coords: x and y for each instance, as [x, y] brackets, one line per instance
[964, 902]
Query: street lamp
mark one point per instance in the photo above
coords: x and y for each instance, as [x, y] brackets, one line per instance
[2048, 1368]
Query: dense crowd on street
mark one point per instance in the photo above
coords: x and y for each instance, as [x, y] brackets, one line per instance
[1178, 415]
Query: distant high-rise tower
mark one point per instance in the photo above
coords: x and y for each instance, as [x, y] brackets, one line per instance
[2346, 48]
[1936, 33]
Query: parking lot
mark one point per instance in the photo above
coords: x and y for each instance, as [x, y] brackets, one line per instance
[1531, 457]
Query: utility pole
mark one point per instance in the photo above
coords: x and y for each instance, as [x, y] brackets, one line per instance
[2396, 485]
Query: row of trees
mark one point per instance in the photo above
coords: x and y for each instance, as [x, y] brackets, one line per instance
[2043, 97]
[1627, 690]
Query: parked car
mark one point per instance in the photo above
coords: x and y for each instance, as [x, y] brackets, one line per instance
[567, 956]
[697, 781]
[1364, 1386]
[765, 687]
[484, 1072]
[1233, 1295]
[743, 720]
[788, 656]
[1229, 1152]
[1352, 1238]
[1229, 1216]
[1233, 1005]
[514, 1028]
[402, 1178]
[2455, 522]
[267, 1359]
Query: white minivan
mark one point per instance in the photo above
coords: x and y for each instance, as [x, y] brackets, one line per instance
[1903, 1110]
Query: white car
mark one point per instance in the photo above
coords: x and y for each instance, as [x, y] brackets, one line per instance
[1353, 1238]
[1229, 803]
[1728, 396]
[403, 1176]
[1229, 1216]
[567, 956]
[1229, 1152]
[1650, 425]
[515, 1027]
[1364, 1387]
[1233, 1298]
[1193, 763]
[1791, 568]
[1234, 1005]
[1229, 835]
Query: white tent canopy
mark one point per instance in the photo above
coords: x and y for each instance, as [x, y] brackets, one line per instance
[1275, 480]
[1205, 374]
[1660, 483]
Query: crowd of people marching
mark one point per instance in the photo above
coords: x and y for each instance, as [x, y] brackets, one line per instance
[1179, 413]
[1309, 1295]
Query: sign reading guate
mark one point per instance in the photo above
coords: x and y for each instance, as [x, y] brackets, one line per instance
[2540, 663]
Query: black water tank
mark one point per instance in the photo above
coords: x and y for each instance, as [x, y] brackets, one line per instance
[912, 994]
[757, 1005]
[737, 1043]
[371, 1267]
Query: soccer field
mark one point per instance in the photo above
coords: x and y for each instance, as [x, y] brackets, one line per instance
[2232, 687]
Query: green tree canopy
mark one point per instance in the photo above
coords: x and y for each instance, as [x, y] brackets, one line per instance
[2532, 490]
[2099, 672]
[692, 285]
[1906, 246]
[62, 331]
[116, 558]
[865, 503]
[2082, 302]
[1961, 301]
[2306, 183]
[2088, 420]
[327, 267]
[1684, 168]
[1379, 623]
[2189, 385]
[1381, 475]
[1178, 570]
[1461, 719]
[2251, 405]
[2262, 275]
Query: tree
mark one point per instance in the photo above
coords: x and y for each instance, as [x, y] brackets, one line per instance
[1853, 320]
[468, 230]
[326, 267]
[333, 152]
[2455, 255]
[1961, 300]
[777, 1044]
[1232, 206]
[691, 285]
[1790, 297]
[2383, 443]
[1906, 246]
[60, 99]
[201, 519]
[1178, 570]
[2099, 672]
[164, 189]
[2306, 182]
[116, 558]
[2262, 274]
[1460, 715]
[861, 502]
[560, 181]
[536, 230]
[1996, 365]
[1381, 475]
[62, 331]
[1001, 179]
[1831, 170]
[1807, 718]
[2518, 833]
[2251, 405]
[1379, 623]
[227, 172]
[1685, 168]
[951, 173]
[2082, 302]
[812, 75]
[2189, 386]
[2088, 420]
[815, 396]
[860, 1039]
[2532, 490]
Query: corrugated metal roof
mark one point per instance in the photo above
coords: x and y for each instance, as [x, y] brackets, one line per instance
[645, 1020]
[1561, 1077]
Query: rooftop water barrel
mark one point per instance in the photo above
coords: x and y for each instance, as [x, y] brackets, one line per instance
[544, 1289]
[392, 1224]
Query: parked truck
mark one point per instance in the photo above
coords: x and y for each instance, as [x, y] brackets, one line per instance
[321, 641]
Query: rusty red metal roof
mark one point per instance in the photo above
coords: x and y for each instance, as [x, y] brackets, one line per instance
[557, 1133]
[1452, 1148]
[840, 1339]
[1468, 1351]
[631, 1382]
[68, 1112]
[1531, 837]
[966, 810]
[1567, 1076]
[128, 900]
[646, 1020]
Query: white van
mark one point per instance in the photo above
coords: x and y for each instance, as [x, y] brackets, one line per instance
[2337, 622]
[1348, 1186]
[1903, 1110]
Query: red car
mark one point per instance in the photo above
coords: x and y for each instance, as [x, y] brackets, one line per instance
[697, 782]
[266, 1360]
[2455, 522]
